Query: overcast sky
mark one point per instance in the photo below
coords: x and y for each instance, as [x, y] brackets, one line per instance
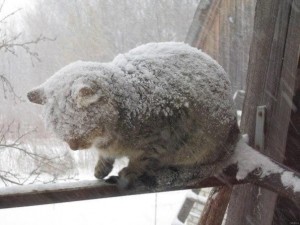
[12, 5]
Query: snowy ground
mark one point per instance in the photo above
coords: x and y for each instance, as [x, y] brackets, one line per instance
[148, 209]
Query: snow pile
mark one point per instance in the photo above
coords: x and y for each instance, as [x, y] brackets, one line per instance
[249, 159]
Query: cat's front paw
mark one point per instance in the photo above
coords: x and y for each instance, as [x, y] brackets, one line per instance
[121, 182]
[127, 177]
[103, 168]
[127, 182]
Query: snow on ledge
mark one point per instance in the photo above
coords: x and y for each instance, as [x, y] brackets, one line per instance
[248, 159]
[289, 179]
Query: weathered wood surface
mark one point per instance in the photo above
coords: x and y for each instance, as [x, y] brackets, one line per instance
[286, 210]
[272, 69]
[216, 205]
[203, 20]
[223, 29]
[82, 190]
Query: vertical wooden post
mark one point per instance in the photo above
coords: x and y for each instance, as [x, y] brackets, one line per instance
[215, 207]
[272, 69]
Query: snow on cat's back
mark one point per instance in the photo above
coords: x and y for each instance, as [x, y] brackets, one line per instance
[160, 104]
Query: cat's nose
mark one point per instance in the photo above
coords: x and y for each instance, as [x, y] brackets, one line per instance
[73, 144]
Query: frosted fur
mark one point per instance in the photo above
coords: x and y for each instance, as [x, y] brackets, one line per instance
[174, 74]
[160, 104]
[169, 75]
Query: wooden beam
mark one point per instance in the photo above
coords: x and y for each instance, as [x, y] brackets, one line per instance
[285, 209]
[223, 29]
[216, 205]
[29, 195]
[203, 18]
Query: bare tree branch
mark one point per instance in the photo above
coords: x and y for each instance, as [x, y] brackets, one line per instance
[55, 164]
[8, 90]
[1, 6]
[9, 15]
[10, 44]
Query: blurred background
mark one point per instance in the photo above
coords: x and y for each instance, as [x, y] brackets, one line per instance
[37, 38]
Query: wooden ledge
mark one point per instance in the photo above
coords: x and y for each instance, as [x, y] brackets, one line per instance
[30, 195]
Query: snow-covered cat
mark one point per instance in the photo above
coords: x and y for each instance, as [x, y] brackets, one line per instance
[163, 105]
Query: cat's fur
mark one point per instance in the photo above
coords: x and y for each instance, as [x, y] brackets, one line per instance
[163, 105]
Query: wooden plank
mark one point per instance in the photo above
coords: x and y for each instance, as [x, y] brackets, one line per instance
[217, 202]
[223, 29]
[225, 37]
[266, 85]
[29, 195]
[201, 23]
[286, 210]
[82, 190]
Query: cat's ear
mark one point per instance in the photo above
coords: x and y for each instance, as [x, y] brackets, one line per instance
[85, 96]
[37, 96]
[86, 92]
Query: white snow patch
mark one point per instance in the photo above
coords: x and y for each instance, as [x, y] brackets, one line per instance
[176, 221]
[288, 179]
[249, 159]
